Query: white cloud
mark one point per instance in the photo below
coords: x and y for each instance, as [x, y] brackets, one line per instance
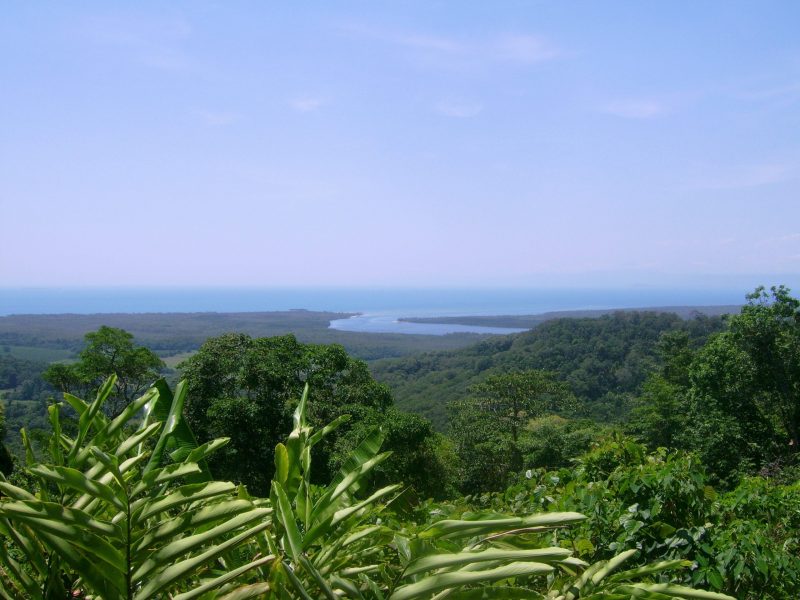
[152, 43]
[306, 104]
[215, 118]
[791, 238]
[747, 177]
[461, 110]
[789, 92]
[450, 52]
[425, 42]
[635, 109]
[523, 48]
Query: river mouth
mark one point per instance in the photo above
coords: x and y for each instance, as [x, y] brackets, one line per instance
[365, 323]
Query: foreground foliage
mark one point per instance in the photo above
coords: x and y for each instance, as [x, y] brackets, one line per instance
[130, 511]
[744, 542]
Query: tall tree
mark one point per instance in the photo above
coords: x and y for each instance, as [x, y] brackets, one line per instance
[108, 351]
[245, 389]
[6, 463]
[741, 391]
[486, 426]
[768, 331]
[514, 398]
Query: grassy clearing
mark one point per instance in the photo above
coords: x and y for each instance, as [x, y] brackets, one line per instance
[37, 354]
[174, 360]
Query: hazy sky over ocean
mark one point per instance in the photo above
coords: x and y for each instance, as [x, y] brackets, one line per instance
[414, 143]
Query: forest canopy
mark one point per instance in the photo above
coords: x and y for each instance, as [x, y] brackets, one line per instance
[677, 439]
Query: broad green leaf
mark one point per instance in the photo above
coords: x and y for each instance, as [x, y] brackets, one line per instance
[185, 494]
[106, 430]
[321, 583]
[650, 569]
[25, 540]
[332, 426]
[13, 569]
[341, 515]
[488, 593]
[285, 515]
[56, 451]
[464, 528]
[612, 565]
[245, 592]
[281, 464]
[86, 419]
[676, 591]
[186, 545]
[174, 416]
[136, 439]
[108, 583]
[299, 416]
[216, 583]
[327, 505]
[437, 583]
[439, 561]
[296, 583]
[174, 573]
[192, 520]
[78, 481]
[58, 519]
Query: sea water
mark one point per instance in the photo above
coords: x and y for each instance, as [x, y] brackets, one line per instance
[379, 309]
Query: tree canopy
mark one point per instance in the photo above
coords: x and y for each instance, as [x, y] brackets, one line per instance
[486, 426]
[246, 388]
[735, 400]
[108, 351]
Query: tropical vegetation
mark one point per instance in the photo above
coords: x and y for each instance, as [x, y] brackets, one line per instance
[323, 487]
[129, 510]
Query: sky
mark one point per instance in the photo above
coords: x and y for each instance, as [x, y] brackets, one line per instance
[507, 144]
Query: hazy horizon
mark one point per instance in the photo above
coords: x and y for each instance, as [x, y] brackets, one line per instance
[442, 144]
[396, 302]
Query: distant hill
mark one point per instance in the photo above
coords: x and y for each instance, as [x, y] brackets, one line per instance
[605, 359]
[531, 321]
[27, 336]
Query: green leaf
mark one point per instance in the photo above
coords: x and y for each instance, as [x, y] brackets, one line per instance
[174, 416]
[612, 565]
[439, 561]
[650, 569]
[332, 426]
[78, 481]
[677, 591]
[58, 519]
[285, 515]
[12, 568]
[174, 573]
[196, 520]
[87, 416]
[464, 528]
[502, 593]
[281, 464]
[245, 592]
[185, 545]
[216, 583]
[185, 494]
[437, 583]
[323, 585]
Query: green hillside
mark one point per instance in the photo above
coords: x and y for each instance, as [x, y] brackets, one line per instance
[604, 360]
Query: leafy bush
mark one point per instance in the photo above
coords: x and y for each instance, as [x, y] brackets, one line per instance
[743, 543]
[126, 511]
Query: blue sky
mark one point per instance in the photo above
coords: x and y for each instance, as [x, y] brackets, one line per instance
[479, 144]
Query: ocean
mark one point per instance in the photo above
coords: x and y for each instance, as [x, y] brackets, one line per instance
[380, 302]
[379, 308]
